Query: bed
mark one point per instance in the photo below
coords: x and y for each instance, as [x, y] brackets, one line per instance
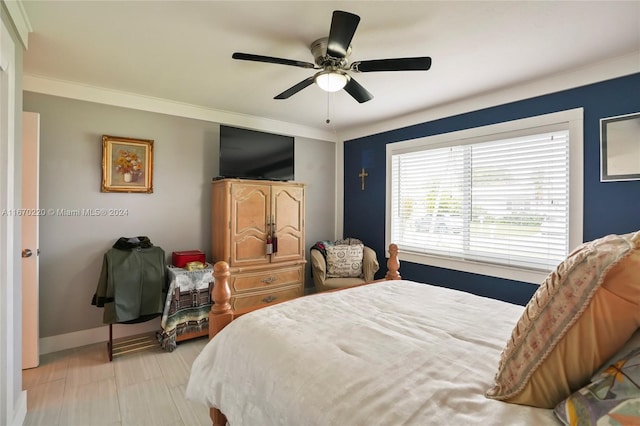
[388, 352]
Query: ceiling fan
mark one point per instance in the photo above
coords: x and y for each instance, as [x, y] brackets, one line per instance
[330, 55]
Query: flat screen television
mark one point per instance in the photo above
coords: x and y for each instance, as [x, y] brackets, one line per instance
[249, 154]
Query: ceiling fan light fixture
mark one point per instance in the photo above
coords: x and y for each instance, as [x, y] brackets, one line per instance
[331, 80]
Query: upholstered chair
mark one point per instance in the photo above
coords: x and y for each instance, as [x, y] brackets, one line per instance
[325, 277]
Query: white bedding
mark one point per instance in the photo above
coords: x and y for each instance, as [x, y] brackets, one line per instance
[390, 353]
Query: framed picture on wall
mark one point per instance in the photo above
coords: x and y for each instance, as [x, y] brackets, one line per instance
[620, 148]
[127, 164]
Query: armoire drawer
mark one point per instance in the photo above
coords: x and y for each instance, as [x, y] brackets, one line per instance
[265, 298]
[252, 281]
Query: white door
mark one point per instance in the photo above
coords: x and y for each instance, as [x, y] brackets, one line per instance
[30, 216]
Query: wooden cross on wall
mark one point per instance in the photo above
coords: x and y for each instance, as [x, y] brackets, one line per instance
[363, 175]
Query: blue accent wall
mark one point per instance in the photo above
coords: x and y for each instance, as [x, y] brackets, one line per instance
[609, 207]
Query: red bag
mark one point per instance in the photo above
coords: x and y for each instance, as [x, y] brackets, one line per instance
[180, 258]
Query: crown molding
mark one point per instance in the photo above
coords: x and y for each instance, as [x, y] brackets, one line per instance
[594, 73]
[20, 20]
[72, 90]
[613, 68]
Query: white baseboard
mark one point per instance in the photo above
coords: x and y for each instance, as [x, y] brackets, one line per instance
[21, 410]
[76, 339]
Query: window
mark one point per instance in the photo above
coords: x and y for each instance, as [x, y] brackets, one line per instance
[502, 200]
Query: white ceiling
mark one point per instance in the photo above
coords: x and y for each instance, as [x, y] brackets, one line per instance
[181, 51]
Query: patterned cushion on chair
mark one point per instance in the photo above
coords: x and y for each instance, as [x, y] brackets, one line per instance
[344, 261]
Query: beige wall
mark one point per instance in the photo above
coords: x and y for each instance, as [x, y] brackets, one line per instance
[315, 165]
[174, 217]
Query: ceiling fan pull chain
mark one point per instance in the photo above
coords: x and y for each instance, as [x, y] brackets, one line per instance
[328, 109]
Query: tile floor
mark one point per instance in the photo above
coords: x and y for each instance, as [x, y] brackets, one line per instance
[81, 387]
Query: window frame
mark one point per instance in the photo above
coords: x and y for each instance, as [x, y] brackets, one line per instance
[571, 120]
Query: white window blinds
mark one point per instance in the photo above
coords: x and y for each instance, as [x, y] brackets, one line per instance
[503, 201]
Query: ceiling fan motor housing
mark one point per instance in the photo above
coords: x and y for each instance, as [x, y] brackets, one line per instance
[319, 52]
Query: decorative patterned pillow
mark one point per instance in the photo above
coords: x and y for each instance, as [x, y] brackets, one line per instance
[344, 261]
[580, 316]
[611, 398]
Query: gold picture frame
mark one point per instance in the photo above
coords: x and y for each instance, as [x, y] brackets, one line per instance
[127, 164]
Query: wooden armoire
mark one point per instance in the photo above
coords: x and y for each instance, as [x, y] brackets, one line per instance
[244, 213]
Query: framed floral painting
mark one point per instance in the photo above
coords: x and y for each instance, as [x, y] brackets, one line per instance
[127, 164]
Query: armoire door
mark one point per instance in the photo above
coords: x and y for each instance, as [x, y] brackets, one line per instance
[287, 206]
[250, 211]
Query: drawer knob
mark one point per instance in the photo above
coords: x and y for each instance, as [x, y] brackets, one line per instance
[268, 280]
[269, 299]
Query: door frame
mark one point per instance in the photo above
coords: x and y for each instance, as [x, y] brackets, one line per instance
[13, 400]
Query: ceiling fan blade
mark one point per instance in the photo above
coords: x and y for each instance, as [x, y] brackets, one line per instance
[399, 64]
[358, 92]
[295, 89]
[343, 27]
[271, 60]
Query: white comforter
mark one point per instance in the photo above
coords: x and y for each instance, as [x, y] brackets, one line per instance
[390, 353]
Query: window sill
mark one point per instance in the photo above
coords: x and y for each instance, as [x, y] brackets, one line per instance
[510, 273]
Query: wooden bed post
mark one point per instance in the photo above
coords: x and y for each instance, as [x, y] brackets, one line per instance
[221, 313]
[220, 316]
[393, 264]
